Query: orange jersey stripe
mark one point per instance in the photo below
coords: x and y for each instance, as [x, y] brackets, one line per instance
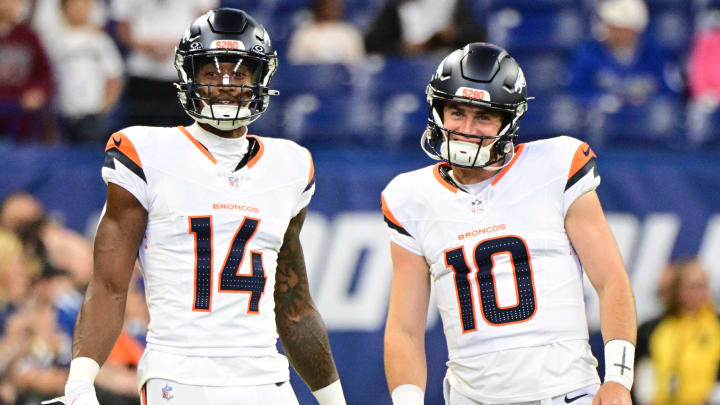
[259, 154]
[387, 213]
[518, 151]
[583, 154]
[197, 144]
[119, 141]
[312, 169]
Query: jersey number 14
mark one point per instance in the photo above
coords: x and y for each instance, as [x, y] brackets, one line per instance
[230, 281]
[484, 254]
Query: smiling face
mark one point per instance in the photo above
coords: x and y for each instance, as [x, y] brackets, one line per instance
[471, 120]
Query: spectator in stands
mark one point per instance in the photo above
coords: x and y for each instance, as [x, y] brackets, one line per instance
[50, 246]
[19, 208]
[15, 280]
[15, 318]
[26, 84]
[44, 17]
[409, 27]
[70, 253]
[326, 38]
[88, 69]
[684, 344]
[704, 77]
[150, 29]
[39, 316]
[618, 61]
[41, 369]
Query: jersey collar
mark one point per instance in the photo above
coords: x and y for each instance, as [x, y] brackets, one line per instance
[256, 149]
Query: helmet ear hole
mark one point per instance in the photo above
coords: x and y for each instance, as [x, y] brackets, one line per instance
[503, 146]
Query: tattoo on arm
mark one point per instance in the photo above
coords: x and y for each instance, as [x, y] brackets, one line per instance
[299, 324]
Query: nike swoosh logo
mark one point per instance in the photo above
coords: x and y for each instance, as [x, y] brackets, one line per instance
[117, 141]
[573, 399]
[586, 152]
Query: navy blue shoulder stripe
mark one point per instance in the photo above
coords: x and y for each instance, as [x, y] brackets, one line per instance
[392, 225]
[590, 165]
[114, 153]
[309, 185]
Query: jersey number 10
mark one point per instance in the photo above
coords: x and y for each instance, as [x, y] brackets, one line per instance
[485, 253]
[230, 281]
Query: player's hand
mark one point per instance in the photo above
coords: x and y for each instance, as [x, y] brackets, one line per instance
[612, 393]
[77, 393]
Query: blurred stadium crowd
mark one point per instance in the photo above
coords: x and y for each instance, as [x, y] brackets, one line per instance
[353, 72]
[616, 73]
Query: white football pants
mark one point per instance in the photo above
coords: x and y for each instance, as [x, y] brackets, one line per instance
[583, 396]
[158, 391]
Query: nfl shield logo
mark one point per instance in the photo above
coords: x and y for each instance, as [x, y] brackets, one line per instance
[167, 392]
[233, 182]
[477, 206]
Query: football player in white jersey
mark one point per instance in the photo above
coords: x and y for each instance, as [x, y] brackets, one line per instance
[500, 230]
[213, 215]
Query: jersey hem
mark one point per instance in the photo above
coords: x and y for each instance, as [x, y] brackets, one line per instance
[549, 393]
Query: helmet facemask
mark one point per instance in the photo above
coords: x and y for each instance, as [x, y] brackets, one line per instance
[225, 88]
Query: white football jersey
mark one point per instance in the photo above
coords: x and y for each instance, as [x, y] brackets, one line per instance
[507, 282]
[210, 250]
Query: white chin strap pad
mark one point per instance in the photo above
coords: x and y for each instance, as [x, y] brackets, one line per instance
[463, 153]
[225, 113]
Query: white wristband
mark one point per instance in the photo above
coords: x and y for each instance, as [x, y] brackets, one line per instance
[330, 395]
[83, 369]
[408, 394]
[620, 362]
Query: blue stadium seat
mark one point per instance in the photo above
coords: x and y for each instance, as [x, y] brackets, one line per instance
[403, 75]
[673, 29]
[558, 30]
[552, 114]
[656, 123]
[535, 5]
[702, 126]
[309, 117]
[545, 70]
[291, 79]
[247, 5]
[285, 19]
[362, 13]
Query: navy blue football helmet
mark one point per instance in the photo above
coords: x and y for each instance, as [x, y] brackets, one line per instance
[479, 74]
[225, 35]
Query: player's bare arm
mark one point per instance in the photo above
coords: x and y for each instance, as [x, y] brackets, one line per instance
[405, 363]
[597, 249]
[301, 329]
[101, 317]
[119, 234]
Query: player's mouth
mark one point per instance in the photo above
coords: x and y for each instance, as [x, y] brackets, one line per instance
[225, 101]
[456, 137]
